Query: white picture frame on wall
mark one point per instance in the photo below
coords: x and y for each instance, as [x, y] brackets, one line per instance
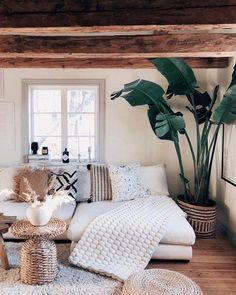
[229, 154]
[1, 83]
[7, 126]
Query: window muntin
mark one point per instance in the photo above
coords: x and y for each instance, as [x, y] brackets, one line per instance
[65, 116]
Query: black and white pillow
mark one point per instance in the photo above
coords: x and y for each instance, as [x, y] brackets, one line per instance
[66, 180]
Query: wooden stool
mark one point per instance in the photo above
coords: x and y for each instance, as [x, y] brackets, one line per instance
[38, 253]
[5, 222]
[3, 254]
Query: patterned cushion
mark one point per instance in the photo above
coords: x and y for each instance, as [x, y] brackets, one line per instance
[100, 183]
[66, 180]
[126, 182]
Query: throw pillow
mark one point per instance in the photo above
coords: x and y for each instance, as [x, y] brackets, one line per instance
[7, 183]
[83, 184]
[100, 183]
[126, 182]
[154, 179]
[38, 180]
[66, 180]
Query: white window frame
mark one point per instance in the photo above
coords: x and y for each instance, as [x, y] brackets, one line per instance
[27, 86]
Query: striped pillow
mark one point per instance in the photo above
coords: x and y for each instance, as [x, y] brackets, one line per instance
[100, 183]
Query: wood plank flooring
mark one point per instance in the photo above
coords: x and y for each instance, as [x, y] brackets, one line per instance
[213, 266]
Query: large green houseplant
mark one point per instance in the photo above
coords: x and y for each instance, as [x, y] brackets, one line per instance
[170, 125]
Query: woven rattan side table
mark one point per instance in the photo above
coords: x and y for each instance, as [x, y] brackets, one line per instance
[38, 253]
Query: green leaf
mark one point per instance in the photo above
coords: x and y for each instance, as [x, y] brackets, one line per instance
[202, 114]
[152, 114]
[180, 76]
[167, 126]
[226, 111]
[141, 92]
[200, 99]
[233, 81]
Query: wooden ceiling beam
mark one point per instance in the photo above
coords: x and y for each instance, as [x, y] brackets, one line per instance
[119, 30]
[148, 46]
[104, 63]
[89, 14]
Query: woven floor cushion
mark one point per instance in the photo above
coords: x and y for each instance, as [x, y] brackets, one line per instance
[160, 282]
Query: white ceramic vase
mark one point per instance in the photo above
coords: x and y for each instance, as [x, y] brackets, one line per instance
[38, 215]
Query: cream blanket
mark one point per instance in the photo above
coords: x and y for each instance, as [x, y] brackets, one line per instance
[123, 240]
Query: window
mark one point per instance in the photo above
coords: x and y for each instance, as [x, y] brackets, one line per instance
[66, 116]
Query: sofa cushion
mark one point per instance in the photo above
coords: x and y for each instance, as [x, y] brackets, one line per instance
[7, 182]
[179, 231]
[83, 184]
[126, 182]
[32, 180]
[100, 183]
[154, 179]
[65, 212]
[66, 180]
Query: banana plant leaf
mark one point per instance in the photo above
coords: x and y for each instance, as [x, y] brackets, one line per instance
[200, 99]
[226, 111]
[169, 125]
[142, 92]
[202, 114]
[180, 76]
[152, 114]
[233, 81]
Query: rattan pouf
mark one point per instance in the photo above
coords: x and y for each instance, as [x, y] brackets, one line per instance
[39, 253]
[160, 282]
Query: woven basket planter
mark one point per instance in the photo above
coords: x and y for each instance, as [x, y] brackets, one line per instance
[201, 218]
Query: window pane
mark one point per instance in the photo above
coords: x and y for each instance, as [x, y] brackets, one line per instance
[81, 100]
[46, 101]
[79, 145]
[53, 144]
[47, 124]
[81, 124]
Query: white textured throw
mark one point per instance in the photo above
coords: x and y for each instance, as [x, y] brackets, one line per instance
[122, 241]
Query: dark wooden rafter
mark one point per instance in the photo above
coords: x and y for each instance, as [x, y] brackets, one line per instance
[104, 63]
[173, 28]
[70, 13]
[183, 45]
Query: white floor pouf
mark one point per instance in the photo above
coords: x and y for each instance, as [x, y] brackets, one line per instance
[160, 282]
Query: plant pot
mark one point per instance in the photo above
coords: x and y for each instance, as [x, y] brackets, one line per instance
[38, 215]
[201, 218]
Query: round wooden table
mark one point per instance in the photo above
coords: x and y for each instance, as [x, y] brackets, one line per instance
[38, 253]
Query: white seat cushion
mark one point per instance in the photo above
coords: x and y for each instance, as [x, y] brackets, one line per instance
[179, 231]
[65, 212]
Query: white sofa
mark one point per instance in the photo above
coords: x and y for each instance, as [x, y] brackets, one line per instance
[176, 244]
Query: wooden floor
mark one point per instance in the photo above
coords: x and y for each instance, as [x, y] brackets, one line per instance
[213, 266]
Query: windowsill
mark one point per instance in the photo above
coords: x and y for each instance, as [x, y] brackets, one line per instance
[59, 163]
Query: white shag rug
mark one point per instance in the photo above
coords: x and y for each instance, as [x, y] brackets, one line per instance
[70, 279]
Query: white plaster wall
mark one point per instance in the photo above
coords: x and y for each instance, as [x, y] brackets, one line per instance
[128, 136]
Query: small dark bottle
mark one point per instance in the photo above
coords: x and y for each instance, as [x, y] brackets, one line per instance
[65, 156]
[44, 150]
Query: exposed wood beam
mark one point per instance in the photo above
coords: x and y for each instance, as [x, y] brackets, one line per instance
[104, 63]
[86, 16]
[119, 30]
[164, 45]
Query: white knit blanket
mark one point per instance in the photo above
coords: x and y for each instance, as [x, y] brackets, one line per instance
[122, 241]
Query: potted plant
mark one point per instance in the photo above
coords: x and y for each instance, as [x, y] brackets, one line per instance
[170, 125]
